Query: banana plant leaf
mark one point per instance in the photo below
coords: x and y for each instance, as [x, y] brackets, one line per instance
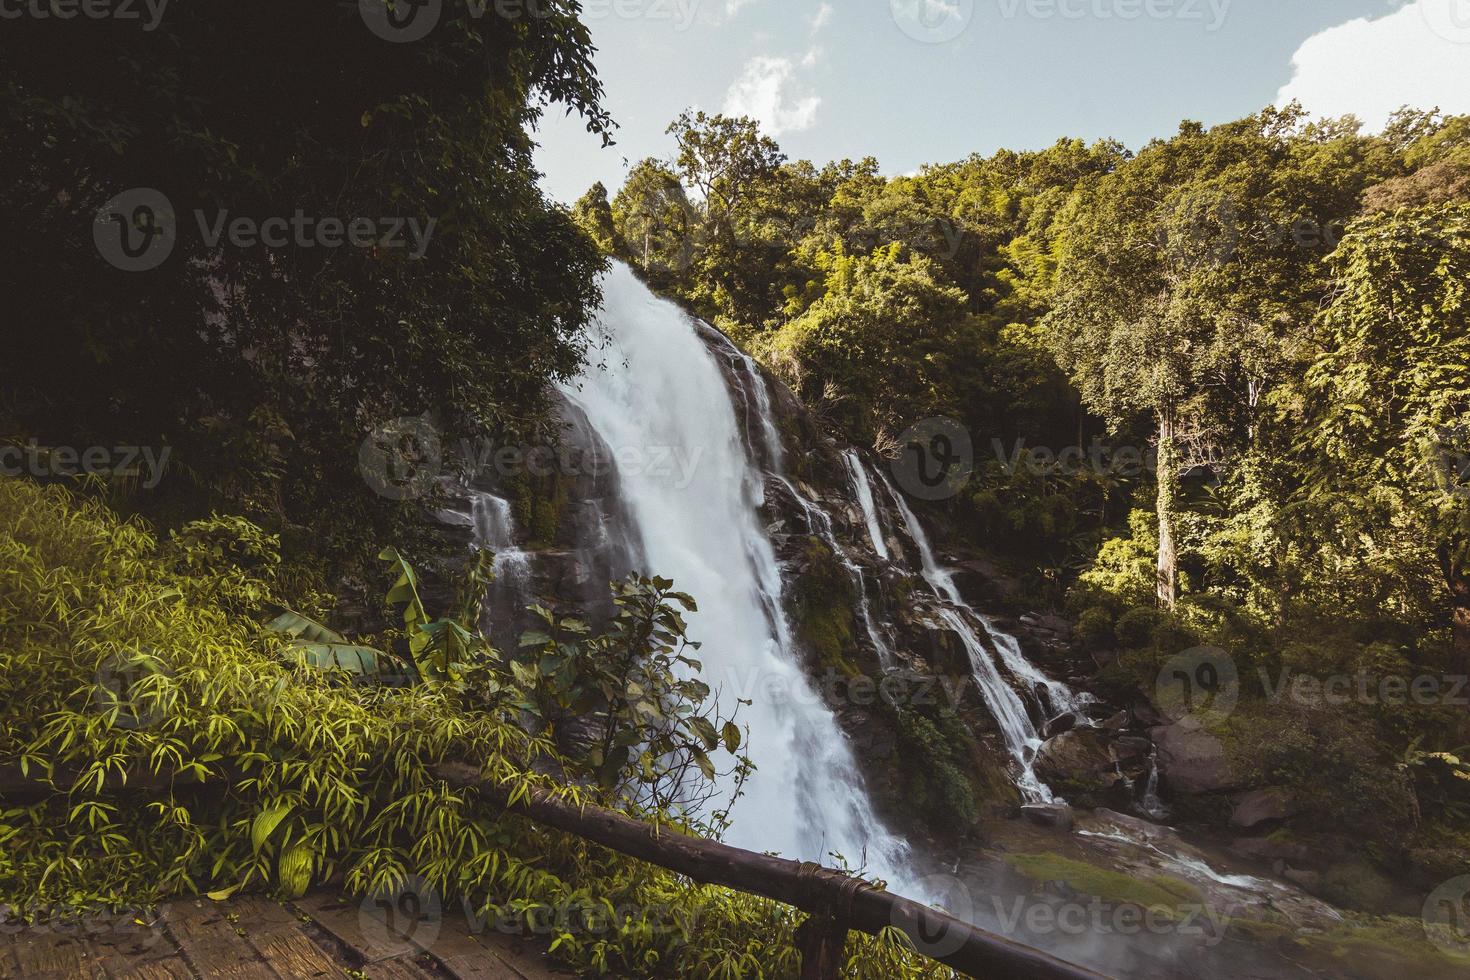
[325, 648]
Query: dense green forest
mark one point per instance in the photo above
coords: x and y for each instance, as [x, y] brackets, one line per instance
[1254, 337]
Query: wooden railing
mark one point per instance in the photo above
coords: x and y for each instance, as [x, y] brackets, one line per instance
[836, 902]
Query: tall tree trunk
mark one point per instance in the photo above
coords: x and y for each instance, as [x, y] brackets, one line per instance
[1457, 578]
[1168, 493]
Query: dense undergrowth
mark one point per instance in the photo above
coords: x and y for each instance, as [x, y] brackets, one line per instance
[166, 743]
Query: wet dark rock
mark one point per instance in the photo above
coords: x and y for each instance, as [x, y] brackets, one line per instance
[1055, 815]
[1079, 763]
[1269, 850]
[1064, 722]
[1308, 880]
[1262, 806]
[1192, 760]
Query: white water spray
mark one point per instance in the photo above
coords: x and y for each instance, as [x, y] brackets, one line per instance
[661, 386]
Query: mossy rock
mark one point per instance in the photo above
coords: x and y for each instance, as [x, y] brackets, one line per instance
[821, 605]
[1386, 947]
[1357, 885]
[1159, 892]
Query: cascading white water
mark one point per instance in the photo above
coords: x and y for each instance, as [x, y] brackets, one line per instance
[862, 488]
[661, 392]
[1016, 728]
[495, 529]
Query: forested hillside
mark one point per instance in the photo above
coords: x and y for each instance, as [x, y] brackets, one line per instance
[282, 287]
[1216, 391]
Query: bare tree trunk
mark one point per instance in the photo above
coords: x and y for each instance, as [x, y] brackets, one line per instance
[1168, 493]
[1457, 578]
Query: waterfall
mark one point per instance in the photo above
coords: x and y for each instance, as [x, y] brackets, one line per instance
[495, 530]
[1016, 728]
[661, 394]
[863, 490]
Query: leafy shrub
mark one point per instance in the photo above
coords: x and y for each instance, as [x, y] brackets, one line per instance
[1094, 627]
[176, 747]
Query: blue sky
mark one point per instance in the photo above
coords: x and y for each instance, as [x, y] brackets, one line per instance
[923, 81]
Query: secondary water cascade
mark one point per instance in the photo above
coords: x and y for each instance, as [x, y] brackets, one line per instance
[660, 392]
[1016, 728]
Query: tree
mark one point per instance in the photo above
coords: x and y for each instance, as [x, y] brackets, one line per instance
[1391, 390]
[723, 159]
[264, 362]
[654, 220]
[1187, 280]
[593, 214]
[879, 346]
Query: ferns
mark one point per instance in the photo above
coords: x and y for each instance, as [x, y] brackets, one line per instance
[181, 748]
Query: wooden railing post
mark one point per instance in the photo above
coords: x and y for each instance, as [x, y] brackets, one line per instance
[821, 940]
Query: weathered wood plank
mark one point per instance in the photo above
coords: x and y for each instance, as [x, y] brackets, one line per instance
[213, 940]
[377, 936]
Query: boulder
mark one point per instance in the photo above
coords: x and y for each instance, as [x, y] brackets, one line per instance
[1131, 826]
[1262, 805]
[1080, 760]
[1056, 815]
[1064, 722]
[1270, 851]
[1310, 881]
[1192, 760]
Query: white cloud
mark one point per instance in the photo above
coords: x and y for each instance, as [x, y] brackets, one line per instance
[822, 17]
[732, 7]
[765, 92]
[1418, 55]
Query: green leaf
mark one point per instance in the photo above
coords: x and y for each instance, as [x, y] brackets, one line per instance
[731, 736]
[266, 823]
[295, 625]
